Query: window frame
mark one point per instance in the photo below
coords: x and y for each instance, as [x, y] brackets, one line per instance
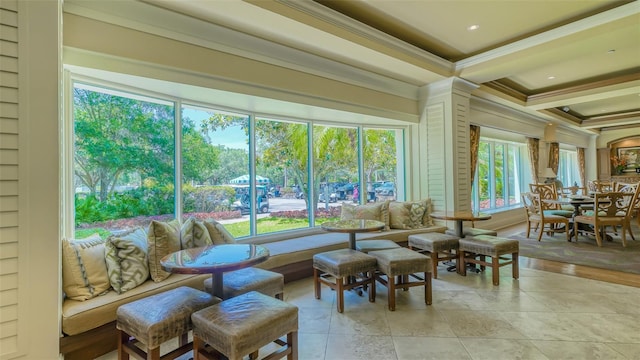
[67, 146]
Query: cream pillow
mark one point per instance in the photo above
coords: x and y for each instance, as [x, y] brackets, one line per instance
[127, 260]
[194, 234]
[163, 239]
[84, 270]
[400, 215]
[218, 234]
[376, 211]
[419, 214]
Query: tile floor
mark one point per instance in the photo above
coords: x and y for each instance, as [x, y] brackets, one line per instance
[542, 315]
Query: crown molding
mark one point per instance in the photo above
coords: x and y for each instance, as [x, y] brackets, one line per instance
[155, 20]
[421, 58]
[602, 18]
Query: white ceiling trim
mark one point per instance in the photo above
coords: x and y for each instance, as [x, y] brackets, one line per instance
[551, 35]
[155, 20]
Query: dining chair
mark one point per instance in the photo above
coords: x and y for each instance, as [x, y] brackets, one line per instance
[633, 188]
[596, 186]
[536, 215]
[549, 192]
[610, 209]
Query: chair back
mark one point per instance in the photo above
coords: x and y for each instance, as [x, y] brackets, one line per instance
[629, 187]
[532, 204]
[595, 186]
[546, 192]
[614, 204]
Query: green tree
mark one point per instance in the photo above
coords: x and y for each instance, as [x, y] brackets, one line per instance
[116, 135]
[379, 153]
[119, 138]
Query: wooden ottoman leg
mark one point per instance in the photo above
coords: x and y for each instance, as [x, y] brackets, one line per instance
[372, 286]
[427, 289]
[340, 294]
[391, 290]
[153, 354]
[434, 260]
[462, 263]
[316, 282]
[495, 269]
[292, 340]
[515, 268]
[123, 338]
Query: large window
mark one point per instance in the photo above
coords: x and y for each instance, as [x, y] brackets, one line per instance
[568, 170]
[138, 158]
[500, 175]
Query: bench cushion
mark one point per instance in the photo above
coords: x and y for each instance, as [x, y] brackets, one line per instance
[81, 316]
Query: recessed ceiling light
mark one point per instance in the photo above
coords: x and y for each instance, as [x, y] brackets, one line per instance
[473, 27]
[551, 77]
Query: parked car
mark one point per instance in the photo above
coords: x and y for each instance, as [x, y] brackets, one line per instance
[332, 197]
[386, 189]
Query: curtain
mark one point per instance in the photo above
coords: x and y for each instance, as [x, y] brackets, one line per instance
[533, 145]
[583, 177]
[474, 136]
[554, 156]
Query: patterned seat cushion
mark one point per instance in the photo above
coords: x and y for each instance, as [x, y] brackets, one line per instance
[243, 324]
[401, 261]
[489, 245]
[434, 242]
[344, 262]
[158, 318]
[372, 245]
[250, 279]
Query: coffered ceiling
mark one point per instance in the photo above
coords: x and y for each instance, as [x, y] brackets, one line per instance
[575, 63]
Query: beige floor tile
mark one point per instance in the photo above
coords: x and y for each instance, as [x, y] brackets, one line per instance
[360, 347]
[568, 350]
[631, 351]
[502, 349]
[485, 324]
[542, 315]
[427, 348]
[424, 322]
[361, 322]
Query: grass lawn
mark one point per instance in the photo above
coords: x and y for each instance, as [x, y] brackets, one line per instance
[237, 229]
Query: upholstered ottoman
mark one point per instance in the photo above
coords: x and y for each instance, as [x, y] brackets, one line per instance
[373, 245]
[400, 263]
[345, 265]
[158, 318]
[242, 325]
[440, 247]
[471, 232]
[495, 247]
[250, 279]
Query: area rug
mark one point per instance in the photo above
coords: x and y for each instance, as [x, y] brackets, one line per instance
[585, 251]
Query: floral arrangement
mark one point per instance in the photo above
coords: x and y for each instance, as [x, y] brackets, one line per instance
[619, 163]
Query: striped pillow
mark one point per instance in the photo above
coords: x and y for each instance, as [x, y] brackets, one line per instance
[84, 270]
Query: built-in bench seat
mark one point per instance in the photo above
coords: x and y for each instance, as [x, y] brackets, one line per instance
[89, 326]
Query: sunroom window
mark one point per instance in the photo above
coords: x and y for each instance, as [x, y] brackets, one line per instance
[137, 156]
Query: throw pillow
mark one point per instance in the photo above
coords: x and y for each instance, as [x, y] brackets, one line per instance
[376, 211]
[400, 215]
[84, 270]
[163, 239]
[427, 220]
[194, 234]
[218, 234]
[127, 260]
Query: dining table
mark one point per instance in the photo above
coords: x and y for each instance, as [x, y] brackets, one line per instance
[460, 217]
[578, 202]
[352, 227]
[215, 260]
